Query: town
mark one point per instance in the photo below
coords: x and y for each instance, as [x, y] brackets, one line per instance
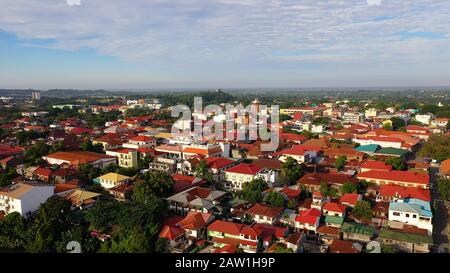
[355, 172]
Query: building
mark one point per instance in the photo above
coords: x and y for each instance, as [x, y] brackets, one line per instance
[411, 242]
[299, 152]
[262, 214]
[370, 113]
[400, 178]
[308, 220]
[388, 193]
[77, 158]
[35, 95]
[222, 233]
[140, 142]
[24, 198]
[353, 117]
[126, 158]
[382, 141]
[425, 119]
[195, 199]
[238, 175]
[313, 181]
[375, 165]
[413, 212]
[357, 232]
[112, 180]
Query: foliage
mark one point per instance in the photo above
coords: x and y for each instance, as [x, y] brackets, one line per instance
[284, 117]
[443, 187]
[281, 249]
[349, 188]
[321, 120]
[88, 146]
[340, 162]
[326, 190]
[397, 123]
[437, 147]
[363, 209]
[274, 199]
[396, 163]
[291, 171]
[33, 155]
[202, 171]
[7, 176]
[252, 191]
[154, 182]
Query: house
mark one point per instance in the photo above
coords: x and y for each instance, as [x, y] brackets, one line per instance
[411, 241]
[111, 180]
[222, 233]
[308, 219]
[126, 158]
[77, 158]
[349, 153]
[10, 150]
[357, 232]
[194, 224]
[109, 141]
[43, 174]
[121, 192]
[238, 175]
[262, 214]
[413, 212]
[139, 142]
[82, 199]
[341, 246]
[196, 199]
[444, 169]
[203, 150]
[10, 162]
[334, 214]
[327, 234]
[401, 178]
[24, 198]
[294, 241]
[318, 200]
[313, 181]
[350, 199]
[175, 237]
[369, 149]
[375, 165]
[64, 175]
[393, 193]
[183, 182]
[218, 165]
[300, 153]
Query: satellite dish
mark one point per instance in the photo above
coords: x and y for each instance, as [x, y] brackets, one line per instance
[373, 247]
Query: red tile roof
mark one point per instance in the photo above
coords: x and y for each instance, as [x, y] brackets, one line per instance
[341, 246]
[330, 178]
[350, 198]
[308, 216]
[334, 207]
[81, 130]
[225, 227]
[218, 162]
[405, 192]
[170, 233]
[399, 176]
[244, 168]
[43, 172]
[259, 209]
[141, 138]
[376, 165]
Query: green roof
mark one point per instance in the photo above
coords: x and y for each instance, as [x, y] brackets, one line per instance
[392, 151]
[370, 148]
[403, 236]
[358, 229]
[334, 220]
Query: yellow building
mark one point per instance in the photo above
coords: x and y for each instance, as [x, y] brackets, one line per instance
[112, 180]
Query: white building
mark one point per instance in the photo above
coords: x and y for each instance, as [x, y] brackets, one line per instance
[353, 117]
[140, 142]
[413, 212]
[24, 198]
[370, 113]
[425, 119]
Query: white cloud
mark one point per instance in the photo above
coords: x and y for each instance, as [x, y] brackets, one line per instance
[232, 31]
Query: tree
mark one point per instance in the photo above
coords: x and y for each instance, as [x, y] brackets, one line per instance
[437, 147]
[340, 162]
[387, 126]
[387, 249]
[443, 187]
[291, 171]
[274, 199]
[282, 249]
[87, 146]
[396, 163]
[154, 182]
[284, 117]
[12, 231]
[202, 171]
[321, 121]
[363, 209]
[252, 191]
[397, 123]
[349, 188]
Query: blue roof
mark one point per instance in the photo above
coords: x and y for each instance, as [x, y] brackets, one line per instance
[371, 148]
[412, 205]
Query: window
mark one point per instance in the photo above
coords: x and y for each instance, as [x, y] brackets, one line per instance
[396, 213]
[407, 215]
[414, 216]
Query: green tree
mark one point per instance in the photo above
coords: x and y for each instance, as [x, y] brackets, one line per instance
[154, 182]
[340, 162]
[291, 171]
[274, 199]
[87, 146]
[397, 123]
[252, 191]
[443, 187]
[12, 231]
[202, 171]
[437, 147]
[363, 209]
[396, 163]
[349, 188]
[282, 249]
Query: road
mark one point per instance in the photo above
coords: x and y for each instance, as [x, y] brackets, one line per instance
[440, 218]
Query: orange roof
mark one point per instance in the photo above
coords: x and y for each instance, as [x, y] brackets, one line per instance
[400, 176]
[259, 209]
[202, 151]
[142, 138]
[170, 233]
[77, 157]
[194, 220]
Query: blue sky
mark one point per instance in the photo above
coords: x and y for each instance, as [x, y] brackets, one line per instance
[140, 44]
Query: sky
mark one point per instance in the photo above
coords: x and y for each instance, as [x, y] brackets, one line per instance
[150, 44]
